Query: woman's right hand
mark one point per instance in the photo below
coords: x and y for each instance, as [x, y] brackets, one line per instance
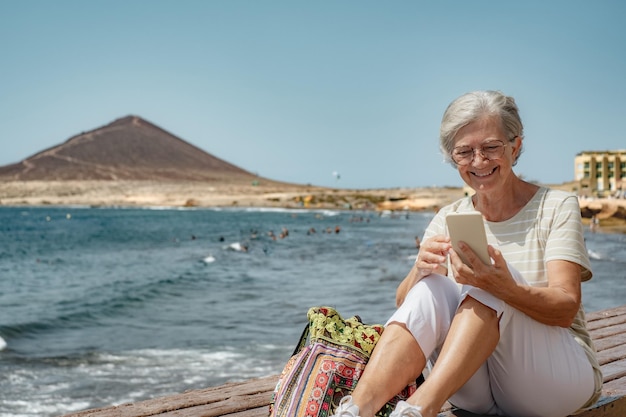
[432, 255]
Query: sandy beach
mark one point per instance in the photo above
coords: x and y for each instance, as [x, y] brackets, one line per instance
[202, 194]
[611, 213]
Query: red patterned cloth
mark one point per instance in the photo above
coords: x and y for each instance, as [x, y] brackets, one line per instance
[327, 368]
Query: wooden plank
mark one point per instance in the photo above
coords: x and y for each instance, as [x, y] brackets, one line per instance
[610, 342]
[604, 321]
[614, 370]
[229, 406]
[609, 312]
[614, 353]
[614, 388]
[254, 390]
[609, 327]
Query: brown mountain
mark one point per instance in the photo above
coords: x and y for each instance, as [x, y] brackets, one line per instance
[129, 148]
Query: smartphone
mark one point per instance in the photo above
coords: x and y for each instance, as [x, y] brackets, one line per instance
[469, 228]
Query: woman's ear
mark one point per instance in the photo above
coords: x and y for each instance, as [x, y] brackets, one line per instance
[516, 146]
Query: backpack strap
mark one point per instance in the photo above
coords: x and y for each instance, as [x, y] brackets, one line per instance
[302, 342]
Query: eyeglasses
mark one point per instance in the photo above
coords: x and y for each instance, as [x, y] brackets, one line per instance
[464, 155]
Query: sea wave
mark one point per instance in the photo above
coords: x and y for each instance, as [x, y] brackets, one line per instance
[109, 300]
[324, 212]
[597, 255]
[144, 373]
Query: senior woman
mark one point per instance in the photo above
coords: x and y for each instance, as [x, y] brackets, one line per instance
[511, 339]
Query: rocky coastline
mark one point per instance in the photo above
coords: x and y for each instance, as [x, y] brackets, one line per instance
[218, 194]
[610, 213]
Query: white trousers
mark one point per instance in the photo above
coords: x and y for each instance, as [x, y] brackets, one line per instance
[535, 370]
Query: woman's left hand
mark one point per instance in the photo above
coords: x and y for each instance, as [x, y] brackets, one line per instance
[554, 305]
[494, 278]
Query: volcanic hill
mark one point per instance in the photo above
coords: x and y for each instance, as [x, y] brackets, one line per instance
[129, 148]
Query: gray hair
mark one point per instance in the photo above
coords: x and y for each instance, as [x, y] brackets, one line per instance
[473, 106]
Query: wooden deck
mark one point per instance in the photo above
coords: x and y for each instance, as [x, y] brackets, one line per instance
[251, 398]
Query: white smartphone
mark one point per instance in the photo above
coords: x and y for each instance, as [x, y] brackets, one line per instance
[469, 228]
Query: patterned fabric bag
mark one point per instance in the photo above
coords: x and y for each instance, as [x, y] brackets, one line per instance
[327, 368]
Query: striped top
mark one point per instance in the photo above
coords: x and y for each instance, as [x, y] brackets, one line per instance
[548, 228]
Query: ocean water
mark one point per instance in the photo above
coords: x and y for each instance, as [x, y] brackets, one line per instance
[101, 307]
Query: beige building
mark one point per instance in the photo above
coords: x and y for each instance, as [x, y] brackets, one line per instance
[600, 173]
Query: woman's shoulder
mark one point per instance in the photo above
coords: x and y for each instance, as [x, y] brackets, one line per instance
[555, 193]
[556, 198]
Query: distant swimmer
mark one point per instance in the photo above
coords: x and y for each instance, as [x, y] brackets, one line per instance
[238, 247]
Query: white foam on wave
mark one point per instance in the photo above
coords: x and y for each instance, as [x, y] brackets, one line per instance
[46, 401]
[158, 365]
[324, 212]
[237, 247]
[274, 210]
[3, 344]
[595, 255]
[599, 256]
[163, 208]
[29, 408]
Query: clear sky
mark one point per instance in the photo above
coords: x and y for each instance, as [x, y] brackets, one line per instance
[296, 91]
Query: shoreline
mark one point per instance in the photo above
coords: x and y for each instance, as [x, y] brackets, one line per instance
[611, 213]
[201, 194]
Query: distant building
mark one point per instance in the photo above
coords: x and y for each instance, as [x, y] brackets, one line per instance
[600, 173]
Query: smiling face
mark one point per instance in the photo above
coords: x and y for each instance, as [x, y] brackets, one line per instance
[482, 174]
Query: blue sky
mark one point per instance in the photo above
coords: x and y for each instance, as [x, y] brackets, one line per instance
[295, 91]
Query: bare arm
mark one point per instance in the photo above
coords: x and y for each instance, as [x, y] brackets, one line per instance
[555, 305]
[433, 252]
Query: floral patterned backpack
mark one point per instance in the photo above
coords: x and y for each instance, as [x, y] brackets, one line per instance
[327, 368]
